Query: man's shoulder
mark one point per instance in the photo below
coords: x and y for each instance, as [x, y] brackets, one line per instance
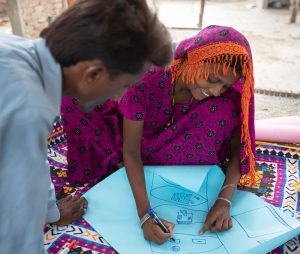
[14, 48]
[9, 42]
[19, 70]
[21, 80]
[4, 37]
[21, 89]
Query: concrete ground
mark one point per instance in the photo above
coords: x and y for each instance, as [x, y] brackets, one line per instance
[274, 106]
[275, 44]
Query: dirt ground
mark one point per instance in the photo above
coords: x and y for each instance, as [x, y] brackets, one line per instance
[275, 43]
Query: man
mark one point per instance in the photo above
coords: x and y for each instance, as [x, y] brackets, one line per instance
[93, 51]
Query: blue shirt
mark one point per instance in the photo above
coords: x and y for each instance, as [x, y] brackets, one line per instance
[30, 95]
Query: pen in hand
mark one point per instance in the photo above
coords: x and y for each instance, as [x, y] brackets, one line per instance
[157, 220]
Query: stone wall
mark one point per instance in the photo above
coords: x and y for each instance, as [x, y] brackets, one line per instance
[37, 13]
[3, 11]
[29, 17]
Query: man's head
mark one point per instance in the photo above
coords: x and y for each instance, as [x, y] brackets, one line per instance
[104, 46]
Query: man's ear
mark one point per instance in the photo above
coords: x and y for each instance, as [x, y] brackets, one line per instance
[95, 72]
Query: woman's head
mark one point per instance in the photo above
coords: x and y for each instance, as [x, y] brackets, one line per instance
[213, 60]
[212, 41]
[215, 84]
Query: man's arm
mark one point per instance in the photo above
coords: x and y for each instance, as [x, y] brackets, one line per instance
[24, 179]
[53, 214]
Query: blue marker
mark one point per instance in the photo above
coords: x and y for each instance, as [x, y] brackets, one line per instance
[157, 220]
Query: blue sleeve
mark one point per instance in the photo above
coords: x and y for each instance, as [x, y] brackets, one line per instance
[53, 214]
[24, 178]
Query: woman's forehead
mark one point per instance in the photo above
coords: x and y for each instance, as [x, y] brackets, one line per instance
[211, 35]
[229, 78]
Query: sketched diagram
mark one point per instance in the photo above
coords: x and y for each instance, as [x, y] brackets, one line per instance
[188, 211]
[265, 212]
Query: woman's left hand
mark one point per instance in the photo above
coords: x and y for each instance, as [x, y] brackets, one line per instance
[218, 218]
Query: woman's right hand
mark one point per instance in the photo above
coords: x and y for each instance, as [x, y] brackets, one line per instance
[132, 135]
[154, 233]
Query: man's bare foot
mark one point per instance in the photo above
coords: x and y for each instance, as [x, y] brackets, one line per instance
[71, 208]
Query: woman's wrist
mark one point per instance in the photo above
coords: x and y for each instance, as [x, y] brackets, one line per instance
[226, 193]
[143, 210]
[230, 185]
[225, 201]
[145, 218]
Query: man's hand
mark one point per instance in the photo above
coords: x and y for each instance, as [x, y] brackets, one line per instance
[154, 233]
[218, 218]
[71, 208]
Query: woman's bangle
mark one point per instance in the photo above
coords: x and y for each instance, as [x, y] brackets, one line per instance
[226, 200]
[229, 185]
[144, 219]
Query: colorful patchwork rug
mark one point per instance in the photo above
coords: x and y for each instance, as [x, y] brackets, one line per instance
[277, 168]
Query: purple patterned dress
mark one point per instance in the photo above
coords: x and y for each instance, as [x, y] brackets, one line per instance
[199, 135]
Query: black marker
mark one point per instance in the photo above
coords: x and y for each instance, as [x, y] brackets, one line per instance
[157, 220]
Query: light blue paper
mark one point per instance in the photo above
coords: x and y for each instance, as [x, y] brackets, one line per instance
[184, 195]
